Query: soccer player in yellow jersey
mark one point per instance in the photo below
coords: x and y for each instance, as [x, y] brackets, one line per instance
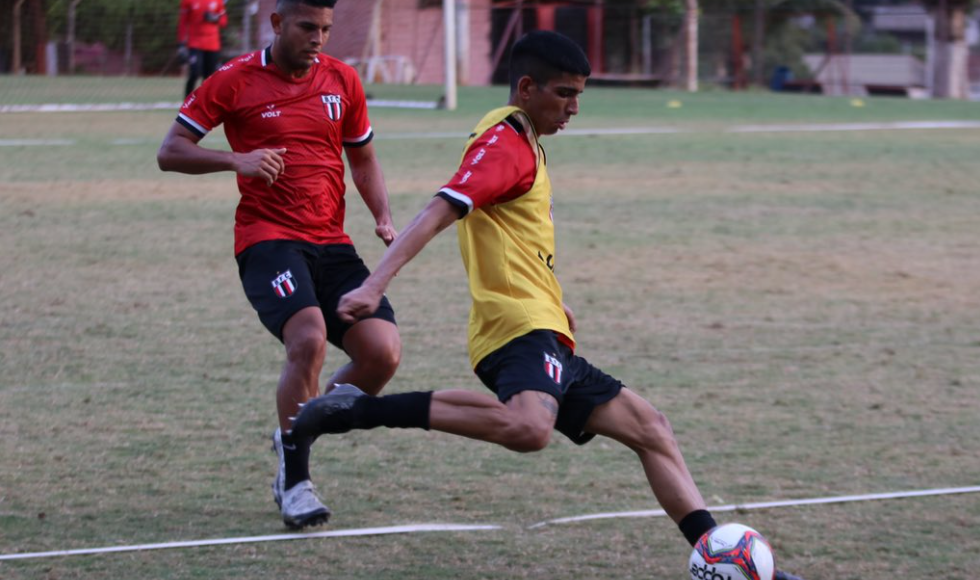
[521, 338]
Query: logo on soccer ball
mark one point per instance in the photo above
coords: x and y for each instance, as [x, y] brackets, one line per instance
[284, 284]
[732, 552]
[333, 104]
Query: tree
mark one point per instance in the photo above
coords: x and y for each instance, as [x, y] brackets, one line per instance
[691, 15]
[144, 27]
[949, 73]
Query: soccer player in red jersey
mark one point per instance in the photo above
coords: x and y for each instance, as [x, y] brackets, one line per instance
[199, 27]
[520, 330]
[289, 112]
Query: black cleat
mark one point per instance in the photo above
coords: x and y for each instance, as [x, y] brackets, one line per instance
[331, 413]
[780, 575]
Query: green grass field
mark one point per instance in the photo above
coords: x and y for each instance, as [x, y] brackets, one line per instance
[804, 307]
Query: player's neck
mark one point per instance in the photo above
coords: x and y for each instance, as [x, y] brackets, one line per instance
[280, 63]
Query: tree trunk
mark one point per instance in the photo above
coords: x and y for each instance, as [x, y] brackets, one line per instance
[950, 63]
[70, 35]
[16, 64]
[40, 30]
[691, 39]
[758, 43]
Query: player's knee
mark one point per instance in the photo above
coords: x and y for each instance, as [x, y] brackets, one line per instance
[528, 437]
[387, 358]
[306, 348]
[378, 365]
[656, 432]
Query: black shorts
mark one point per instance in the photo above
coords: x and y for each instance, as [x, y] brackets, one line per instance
[281, 277]
[537, 361]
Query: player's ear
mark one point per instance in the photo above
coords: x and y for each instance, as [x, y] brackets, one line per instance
[276, 20]
[524, 86]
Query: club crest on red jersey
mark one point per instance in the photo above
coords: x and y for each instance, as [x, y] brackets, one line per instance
[333, 104]
[284, 284]
[552, 367]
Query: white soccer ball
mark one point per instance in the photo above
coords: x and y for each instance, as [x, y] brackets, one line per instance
[732, 552]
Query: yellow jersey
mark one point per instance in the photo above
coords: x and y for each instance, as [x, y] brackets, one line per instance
[507, 242]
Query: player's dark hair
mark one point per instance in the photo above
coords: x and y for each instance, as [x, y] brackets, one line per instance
[544, 55]
[286, 4]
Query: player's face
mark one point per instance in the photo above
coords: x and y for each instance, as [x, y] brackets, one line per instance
[301, 31]
[552, 105]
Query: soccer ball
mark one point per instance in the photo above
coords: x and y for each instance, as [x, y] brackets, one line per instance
[732, 552]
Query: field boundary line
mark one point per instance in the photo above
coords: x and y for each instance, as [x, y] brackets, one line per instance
[768, 504]
[422, 528]
[583, 132]
[173, 105]
[886, 126]
[406, 529]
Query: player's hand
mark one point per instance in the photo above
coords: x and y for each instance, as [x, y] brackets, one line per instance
[266, 164]
[183, 54]
[386, 232]
[357, 304]
[570, 316]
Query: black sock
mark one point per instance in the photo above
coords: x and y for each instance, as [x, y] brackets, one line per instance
[404, 410]
[296, 451]
[695, 524]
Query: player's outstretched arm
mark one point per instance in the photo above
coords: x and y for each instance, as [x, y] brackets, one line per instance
[369, 180]
[180, 152]
[438, 215]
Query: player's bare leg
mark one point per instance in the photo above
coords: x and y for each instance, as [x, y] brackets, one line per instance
[634, 422]
[375, 349]
[305, 339]
[523, 424]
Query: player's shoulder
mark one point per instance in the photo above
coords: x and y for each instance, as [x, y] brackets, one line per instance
[334, 63]
[507, 132]
[339, 68]
[243, 63]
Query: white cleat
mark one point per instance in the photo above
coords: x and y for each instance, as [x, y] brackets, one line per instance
[299, 505]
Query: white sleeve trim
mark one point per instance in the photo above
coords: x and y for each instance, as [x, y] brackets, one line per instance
[458, 197]
[362, 138]
[194, 124]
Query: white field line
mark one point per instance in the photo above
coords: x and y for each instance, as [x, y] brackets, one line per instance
[407, 529]
[898, 126]
[171, 105]
[768, 504]
[420, 528]
[34, 142]
[88, 107]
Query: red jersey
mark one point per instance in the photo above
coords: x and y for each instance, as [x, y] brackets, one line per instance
[193, 27]
[313, 118]
[499, 166]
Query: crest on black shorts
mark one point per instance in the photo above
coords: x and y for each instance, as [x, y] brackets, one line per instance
[333, 104]
[552, 367]
[284, 284]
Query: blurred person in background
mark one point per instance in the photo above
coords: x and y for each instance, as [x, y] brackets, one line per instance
[199, 38]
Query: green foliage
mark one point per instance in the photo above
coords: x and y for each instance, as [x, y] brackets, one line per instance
[675, 8]
[154, 26]
[879, 43]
